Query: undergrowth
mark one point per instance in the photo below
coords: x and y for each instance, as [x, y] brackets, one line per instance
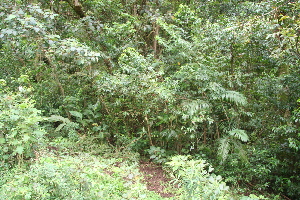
[65, 174]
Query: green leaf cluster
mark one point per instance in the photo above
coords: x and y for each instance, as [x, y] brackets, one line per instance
[20, 131]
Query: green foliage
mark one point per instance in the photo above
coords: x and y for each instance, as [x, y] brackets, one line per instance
[288, 138]
[219, 78]
[75, 177]
[257, 171]
[66, 127]
[231, 142]
[239, 134]
[196, 179]
[157, 154]
[294, 142]
[20, 131]
[252, 197]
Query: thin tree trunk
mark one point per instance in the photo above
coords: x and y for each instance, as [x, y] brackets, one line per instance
[155, 44]
[205, 134]
[231, 58]
[217, 130]
[148, 130]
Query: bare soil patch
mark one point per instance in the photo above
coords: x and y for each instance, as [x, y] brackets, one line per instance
[155, 178]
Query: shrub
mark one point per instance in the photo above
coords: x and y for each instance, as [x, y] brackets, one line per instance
[196, 179]
[80, 176]
[20, 132]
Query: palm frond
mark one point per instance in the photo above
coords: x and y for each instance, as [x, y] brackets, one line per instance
[239, 134]
[223, 149]
[194, 107]
[58, 118]
[234, 97]
[238, 146]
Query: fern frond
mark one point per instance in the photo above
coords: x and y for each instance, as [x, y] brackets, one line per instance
[239, 134]
[238, 146]
[58, 118]
[60, 127]
[223, 149]
[234, 97]
[195, 106]
[76, 114]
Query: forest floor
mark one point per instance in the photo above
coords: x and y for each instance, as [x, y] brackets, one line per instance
[155, 178]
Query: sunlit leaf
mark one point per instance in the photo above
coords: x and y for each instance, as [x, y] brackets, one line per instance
[76, 114]
[19, 150]
[10, 17]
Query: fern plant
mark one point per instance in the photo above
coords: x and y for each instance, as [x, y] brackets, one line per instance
[66, 126]
[233, 142]
[234, 97]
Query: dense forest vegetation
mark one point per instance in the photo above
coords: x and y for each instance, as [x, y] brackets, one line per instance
[208, 89]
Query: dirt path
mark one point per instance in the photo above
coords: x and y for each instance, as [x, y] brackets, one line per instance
[155, 178]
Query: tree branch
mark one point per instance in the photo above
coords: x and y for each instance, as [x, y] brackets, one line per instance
[77, 7]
